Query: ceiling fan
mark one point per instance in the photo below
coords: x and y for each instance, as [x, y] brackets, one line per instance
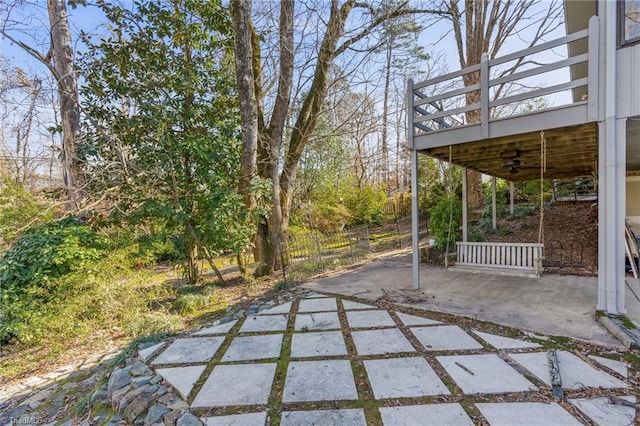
[511, 162]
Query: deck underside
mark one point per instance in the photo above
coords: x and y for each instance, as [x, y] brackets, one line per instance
[571, 151]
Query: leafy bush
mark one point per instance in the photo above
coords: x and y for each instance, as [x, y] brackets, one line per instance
[19, 207]
[447, 213]
[31, 269]
[328, 218]
[366, 205]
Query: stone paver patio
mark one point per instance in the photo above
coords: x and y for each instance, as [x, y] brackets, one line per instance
[325, 360]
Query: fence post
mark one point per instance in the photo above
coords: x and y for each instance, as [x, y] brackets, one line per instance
[319, 250]
[353, 259]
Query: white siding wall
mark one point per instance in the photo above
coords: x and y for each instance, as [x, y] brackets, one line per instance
[628, 76]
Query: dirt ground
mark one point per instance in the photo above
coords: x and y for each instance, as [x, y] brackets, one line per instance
[570, 236]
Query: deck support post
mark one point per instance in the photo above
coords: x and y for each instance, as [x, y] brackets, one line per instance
[465, 211]
[512, 196]
[494, 214]
[415, 212]
[611, 180]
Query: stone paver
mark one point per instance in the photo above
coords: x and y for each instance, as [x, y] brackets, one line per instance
[351, 417]
[285, 308]
[229, 385]
[444, 338]
[381, 342]
[150, 351]
[320, 343]
[603, 413]
[216, 329]
[370, 319]
[406, 381]
[618, 366]
[182, 378]
[434, 414]
[415, 320]
[526, 414]
[246, 348]
[500, 342]
[485, 373]
[403, 378]
[264, 323]
[575, 373]
[318, 305]
[352, 306]
[183, 351]
[249, 419]
[319, 381]
[318, 321]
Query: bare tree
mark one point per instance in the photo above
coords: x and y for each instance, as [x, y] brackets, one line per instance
[278, 159]
[59, 60]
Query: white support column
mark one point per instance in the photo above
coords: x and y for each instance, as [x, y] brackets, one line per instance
[465, 210]
[415, 212]
[611, 179]
[512, 196]
[494, 215]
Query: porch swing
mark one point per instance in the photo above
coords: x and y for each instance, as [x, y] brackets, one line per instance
[498, 257]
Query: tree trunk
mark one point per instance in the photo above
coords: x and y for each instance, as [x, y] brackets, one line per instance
[241, 18]
[62, 54]
[385, 113]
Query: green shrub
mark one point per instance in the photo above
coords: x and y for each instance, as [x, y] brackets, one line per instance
[30, 271]
[366, 205]
[445, 215]
[18, 208]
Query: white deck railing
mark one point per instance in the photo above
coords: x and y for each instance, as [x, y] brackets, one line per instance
[526, 257]
[438, 106]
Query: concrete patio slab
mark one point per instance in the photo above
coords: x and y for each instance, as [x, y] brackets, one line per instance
[415, 320]
[381, 342]
[189, 350]
[325, 380]
[351, 417]
[575, 373]
[285, 308]
[229, 385]
[246, 348]
[182, 378]
[444, 338]
[320, 343]
[249, 419]
[526, 414]
[485, 373]
[351, 306]
[501, 342]
[318, 321]
[403, 378]
[440, 414]
[603, 413]
[264, 323]
[370, 319]
[318, 305]
[618, 366]
[146, 353]
[216, 329]
[553, 304]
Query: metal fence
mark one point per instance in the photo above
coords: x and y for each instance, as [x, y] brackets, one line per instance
[316, 252]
